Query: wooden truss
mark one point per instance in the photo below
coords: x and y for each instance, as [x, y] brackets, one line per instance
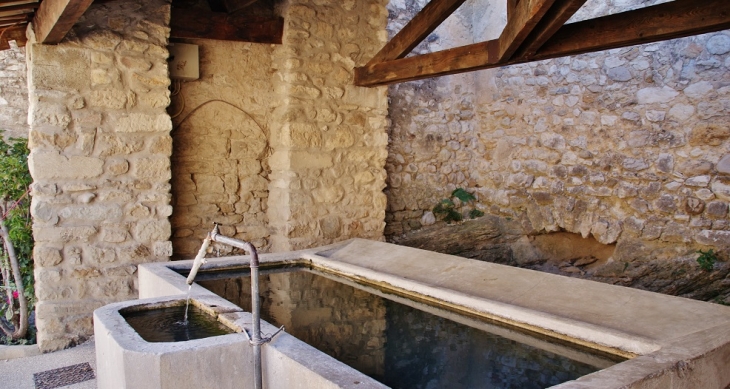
[536, 30]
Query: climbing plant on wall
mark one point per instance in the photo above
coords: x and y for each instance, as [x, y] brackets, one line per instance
[16, 248]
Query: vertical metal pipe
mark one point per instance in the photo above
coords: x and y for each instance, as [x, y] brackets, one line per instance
[256, 312]
[255, 302]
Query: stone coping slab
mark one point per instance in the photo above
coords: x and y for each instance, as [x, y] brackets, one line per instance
[675, 342]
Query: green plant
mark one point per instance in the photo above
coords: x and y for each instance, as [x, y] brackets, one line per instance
[707, 259]
[16, 248]
[446, 208]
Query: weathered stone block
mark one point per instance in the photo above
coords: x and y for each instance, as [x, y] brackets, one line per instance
[698, 181]
[717, 209]
[654, 95]
[50, 68]
[301, 160]
[162, 249]
[45, 256]
[138, 122]
[721, 190]
[666, 204]
[152, 168]
[206, 183]
[94, 255]
[634, 164]
[114, 235]
[133, 253]
[152, 231]
[723, 166]
[693, 205]
[675, 233]
[63, 234]
[54, 115]
[109, 98]
[50, 165]
[718, 44]
[712, 135]
[90, 213]
[155, 99]
[713, 238]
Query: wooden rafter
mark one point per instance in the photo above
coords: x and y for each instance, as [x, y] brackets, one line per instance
[560, 12]
[551, 39]
[30, 7]
[520, 24]
[54, 18]
[671, 20]
[430, 17]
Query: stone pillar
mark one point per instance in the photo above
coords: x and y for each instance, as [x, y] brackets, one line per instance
[100, 160]
[13, 92]
[329, 137]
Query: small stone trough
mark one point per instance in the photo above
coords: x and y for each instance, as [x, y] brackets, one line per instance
[671, 342]
[125, 360]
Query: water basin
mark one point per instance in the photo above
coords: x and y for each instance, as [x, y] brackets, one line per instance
[166, 324]
[400, 342]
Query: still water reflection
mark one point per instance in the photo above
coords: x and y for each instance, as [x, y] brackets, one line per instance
[398, 345]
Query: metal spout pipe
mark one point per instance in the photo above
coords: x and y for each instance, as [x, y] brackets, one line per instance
[199, 259]
[256, 340]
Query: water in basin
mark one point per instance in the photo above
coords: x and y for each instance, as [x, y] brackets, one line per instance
[167, 324]
[399, 343]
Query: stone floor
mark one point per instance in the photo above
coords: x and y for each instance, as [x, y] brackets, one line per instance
[73, 368]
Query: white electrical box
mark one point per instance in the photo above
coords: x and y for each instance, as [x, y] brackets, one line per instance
[184, 64]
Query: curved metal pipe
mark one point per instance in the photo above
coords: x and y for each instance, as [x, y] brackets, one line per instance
[256, 340]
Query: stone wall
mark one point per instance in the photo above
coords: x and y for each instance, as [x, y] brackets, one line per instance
[629, 146]
[100, 160]
[272, 141]
[293, 154]
[328, 136]
[221, 147]
[13, 93]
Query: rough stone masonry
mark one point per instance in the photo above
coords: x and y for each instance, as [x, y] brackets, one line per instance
[100, 161]
[287, 154]
[628, 146]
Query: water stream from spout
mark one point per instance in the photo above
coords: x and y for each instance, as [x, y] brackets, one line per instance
[187, 305]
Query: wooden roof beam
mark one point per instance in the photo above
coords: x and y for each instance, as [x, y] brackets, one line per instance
[520, 23]
[671, 20]
[553, 20]
[54, 18]
[424, 23]
[660, 22]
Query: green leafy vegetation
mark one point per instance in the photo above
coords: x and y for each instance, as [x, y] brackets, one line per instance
[707, 259]
[446, 208]
[17, 294]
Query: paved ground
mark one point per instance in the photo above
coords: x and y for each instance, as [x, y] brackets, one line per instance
[60, 369]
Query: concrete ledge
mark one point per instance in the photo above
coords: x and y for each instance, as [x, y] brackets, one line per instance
[20, 351]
